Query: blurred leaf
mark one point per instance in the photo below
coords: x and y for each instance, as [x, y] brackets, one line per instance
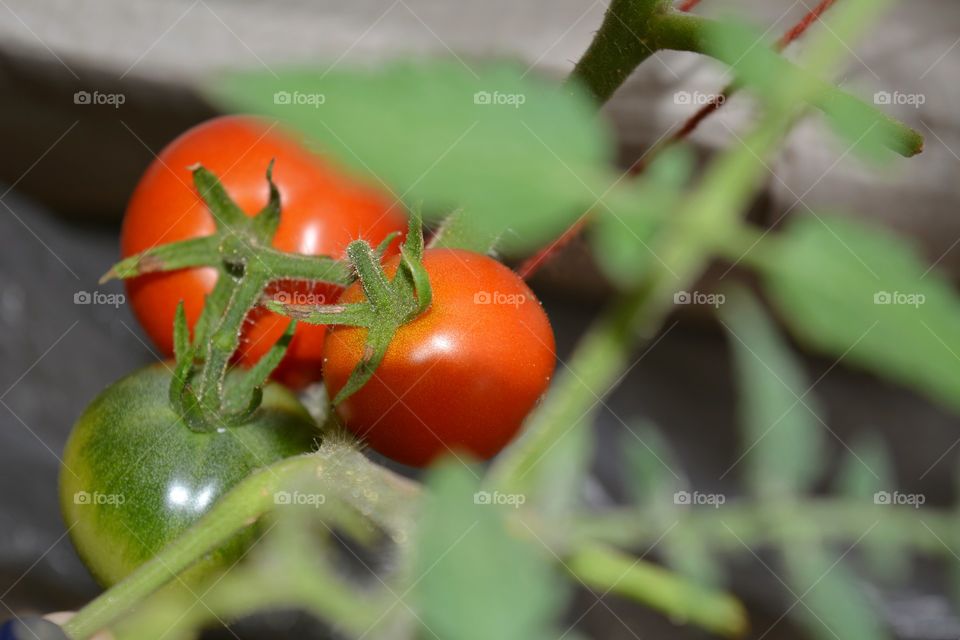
[866, 468]
[865, 475]
[518, 153]
[776, 79]
[685, 551]
[861, 293]
[683, 600]
[653, 471]
[832, 604]
[473, 579]
[631, 214]
[783, 445]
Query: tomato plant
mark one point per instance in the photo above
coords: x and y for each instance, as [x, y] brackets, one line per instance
[135, 476]
[460, 377]
[323, 210]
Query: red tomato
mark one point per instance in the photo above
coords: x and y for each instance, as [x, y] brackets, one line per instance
[461, 377]
[322, 210]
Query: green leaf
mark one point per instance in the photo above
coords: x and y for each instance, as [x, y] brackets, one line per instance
[775, 80]
[864, 295]
[474, 579]
[867, 476]
[866, 469]
[782, 448]
[832, 605]
[653, 471]
[519, 153]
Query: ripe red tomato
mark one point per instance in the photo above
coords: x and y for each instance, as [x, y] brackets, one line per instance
[322, 211]
[461, 377]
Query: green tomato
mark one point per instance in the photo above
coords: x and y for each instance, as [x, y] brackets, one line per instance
[134, 476]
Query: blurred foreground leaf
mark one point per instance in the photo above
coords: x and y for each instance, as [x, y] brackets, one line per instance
[524, 156]
[473, 579]
[829, 600]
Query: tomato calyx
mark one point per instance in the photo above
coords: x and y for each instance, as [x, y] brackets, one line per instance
[240, 249]
[390, 303]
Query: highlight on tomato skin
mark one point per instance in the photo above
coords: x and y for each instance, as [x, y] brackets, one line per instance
[322, 211]
[459, 378]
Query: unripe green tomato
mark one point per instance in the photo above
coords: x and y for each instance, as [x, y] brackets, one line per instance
[135, 477]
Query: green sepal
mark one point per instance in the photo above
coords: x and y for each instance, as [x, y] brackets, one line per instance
[265, 223]
[195, 252]
[372, 278]
[250, 386]
[181, 334]
[357, 314]
[374, 350]
[226, 214]
[381, 249]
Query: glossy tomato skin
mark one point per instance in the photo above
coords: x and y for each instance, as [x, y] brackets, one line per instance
[461, 377]
[134, 477]
[322, 211]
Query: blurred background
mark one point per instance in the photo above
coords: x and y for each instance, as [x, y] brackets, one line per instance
[71, 161]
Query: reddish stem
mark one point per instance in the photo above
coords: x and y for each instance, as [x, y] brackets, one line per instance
[529, 267]
[801, 27]
[688, 5]
[532, 264]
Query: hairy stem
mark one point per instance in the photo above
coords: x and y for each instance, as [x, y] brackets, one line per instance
[623, 41]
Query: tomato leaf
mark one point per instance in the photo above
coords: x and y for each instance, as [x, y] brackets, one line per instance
[474, 578]
[523, 155]
[862, 294]
[783, 442]
[832, 604]
[867, 128]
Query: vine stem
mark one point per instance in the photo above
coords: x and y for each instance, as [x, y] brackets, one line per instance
[717, 101]
[705, 224]
[529, 267]
[600, 566]
[242, 507]
[728, 528]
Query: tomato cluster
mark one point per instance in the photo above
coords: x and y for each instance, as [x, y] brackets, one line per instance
[323, 210]
[460, 377]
